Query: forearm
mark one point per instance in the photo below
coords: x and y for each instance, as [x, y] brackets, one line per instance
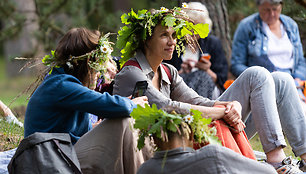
[4, 110]
[210, 112]
[212, 75]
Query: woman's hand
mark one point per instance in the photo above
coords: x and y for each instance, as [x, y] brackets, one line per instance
[203, 64]
[187, 66]
[140, 100]
[233, 113]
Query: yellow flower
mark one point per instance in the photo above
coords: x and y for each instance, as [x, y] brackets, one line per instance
[164, 9]
[184, 5]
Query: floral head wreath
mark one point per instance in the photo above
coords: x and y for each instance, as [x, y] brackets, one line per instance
[138, 27]
[102, 54]
[150, 120]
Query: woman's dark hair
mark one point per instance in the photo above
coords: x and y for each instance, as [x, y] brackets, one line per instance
[77, 42]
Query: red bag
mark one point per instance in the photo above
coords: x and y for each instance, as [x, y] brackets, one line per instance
[238, 142]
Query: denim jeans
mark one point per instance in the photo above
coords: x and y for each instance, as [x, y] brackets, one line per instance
[276, 108]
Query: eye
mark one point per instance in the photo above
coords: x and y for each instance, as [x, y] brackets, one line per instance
[174, 35]
[164, 34]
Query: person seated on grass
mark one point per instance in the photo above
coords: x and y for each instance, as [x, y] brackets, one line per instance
[63, 101]
[271, 97]
[8, 114]
[174, 146]
[270, 39]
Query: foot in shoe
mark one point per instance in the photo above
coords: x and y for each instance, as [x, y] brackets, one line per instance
[288, 167]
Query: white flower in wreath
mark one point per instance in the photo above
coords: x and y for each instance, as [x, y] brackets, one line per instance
[184, 5]
[164, 9]
[104, 49]
[188, 119]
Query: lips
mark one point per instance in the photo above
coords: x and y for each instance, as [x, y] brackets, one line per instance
[169, 49]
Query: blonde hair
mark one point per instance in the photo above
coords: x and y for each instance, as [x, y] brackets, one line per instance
[201, 16]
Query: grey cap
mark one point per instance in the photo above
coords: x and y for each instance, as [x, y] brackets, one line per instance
[259, 2]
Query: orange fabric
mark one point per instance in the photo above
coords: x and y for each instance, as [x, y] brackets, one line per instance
[238, 142]
[227, 83]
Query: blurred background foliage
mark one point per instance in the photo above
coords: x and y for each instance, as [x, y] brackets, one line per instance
[55, 17]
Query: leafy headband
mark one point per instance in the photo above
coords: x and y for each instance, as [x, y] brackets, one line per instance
[139, 27]
[150, 120]
[102, 54]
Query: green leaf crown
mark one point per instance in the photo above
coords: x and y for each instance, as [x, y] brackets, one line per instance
[150, 120]
[102, 55]
[139, 26]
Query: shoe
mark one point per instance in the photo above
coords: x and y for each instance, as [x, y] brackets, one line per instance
[288, 167]
[302, 165]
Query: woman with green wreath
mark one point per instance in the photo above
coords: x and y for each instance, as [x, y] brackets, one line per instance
[63, 101]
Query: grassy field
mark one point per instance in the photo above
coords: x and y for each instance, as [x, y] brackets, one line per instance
[11, 135]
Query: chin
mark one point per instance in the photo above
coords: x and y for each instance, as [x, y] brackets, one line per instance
[168, 57]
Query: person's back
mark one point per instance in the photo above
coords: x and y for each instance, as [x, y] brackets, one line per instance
[210, 159]
[175, 153]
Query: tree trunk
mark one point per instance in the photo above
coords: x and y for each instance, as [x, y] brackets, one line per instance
[25, 43]
[219, 15]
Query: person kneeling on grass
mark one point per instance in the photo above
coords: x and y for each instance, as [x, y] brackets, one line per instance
[174, 135]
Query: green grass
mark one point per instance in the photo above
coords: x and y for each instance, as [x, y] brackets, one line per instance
[12, 87]
[10, 134]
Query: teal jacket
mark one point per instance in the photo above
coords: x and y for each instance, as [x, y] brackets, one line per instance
[61, 105]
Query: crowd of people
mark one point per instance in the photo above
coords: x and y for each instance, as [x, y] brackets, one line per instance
[267, 58]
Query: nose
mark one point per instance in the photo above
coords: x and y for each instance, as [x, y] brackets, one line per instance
[272, 12]
[171, 41]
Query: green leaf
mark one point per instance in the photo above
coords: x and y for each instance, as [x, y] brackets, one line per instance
[141, 141]
[124, 19]
[185, 31]
[169, 21]
[201, 29]
[141, 14]
[123, 35]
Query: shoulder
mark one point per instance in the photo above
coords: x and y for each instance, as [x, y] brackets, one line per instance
[130, 71]
[249, 23]
[288, 21]
[148, 167]
[62, 84]
[61, 79]
[171, 68]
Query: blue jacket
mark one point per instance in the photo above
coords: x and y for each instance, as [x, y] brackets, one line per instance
[61, 105]
[250, 45]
